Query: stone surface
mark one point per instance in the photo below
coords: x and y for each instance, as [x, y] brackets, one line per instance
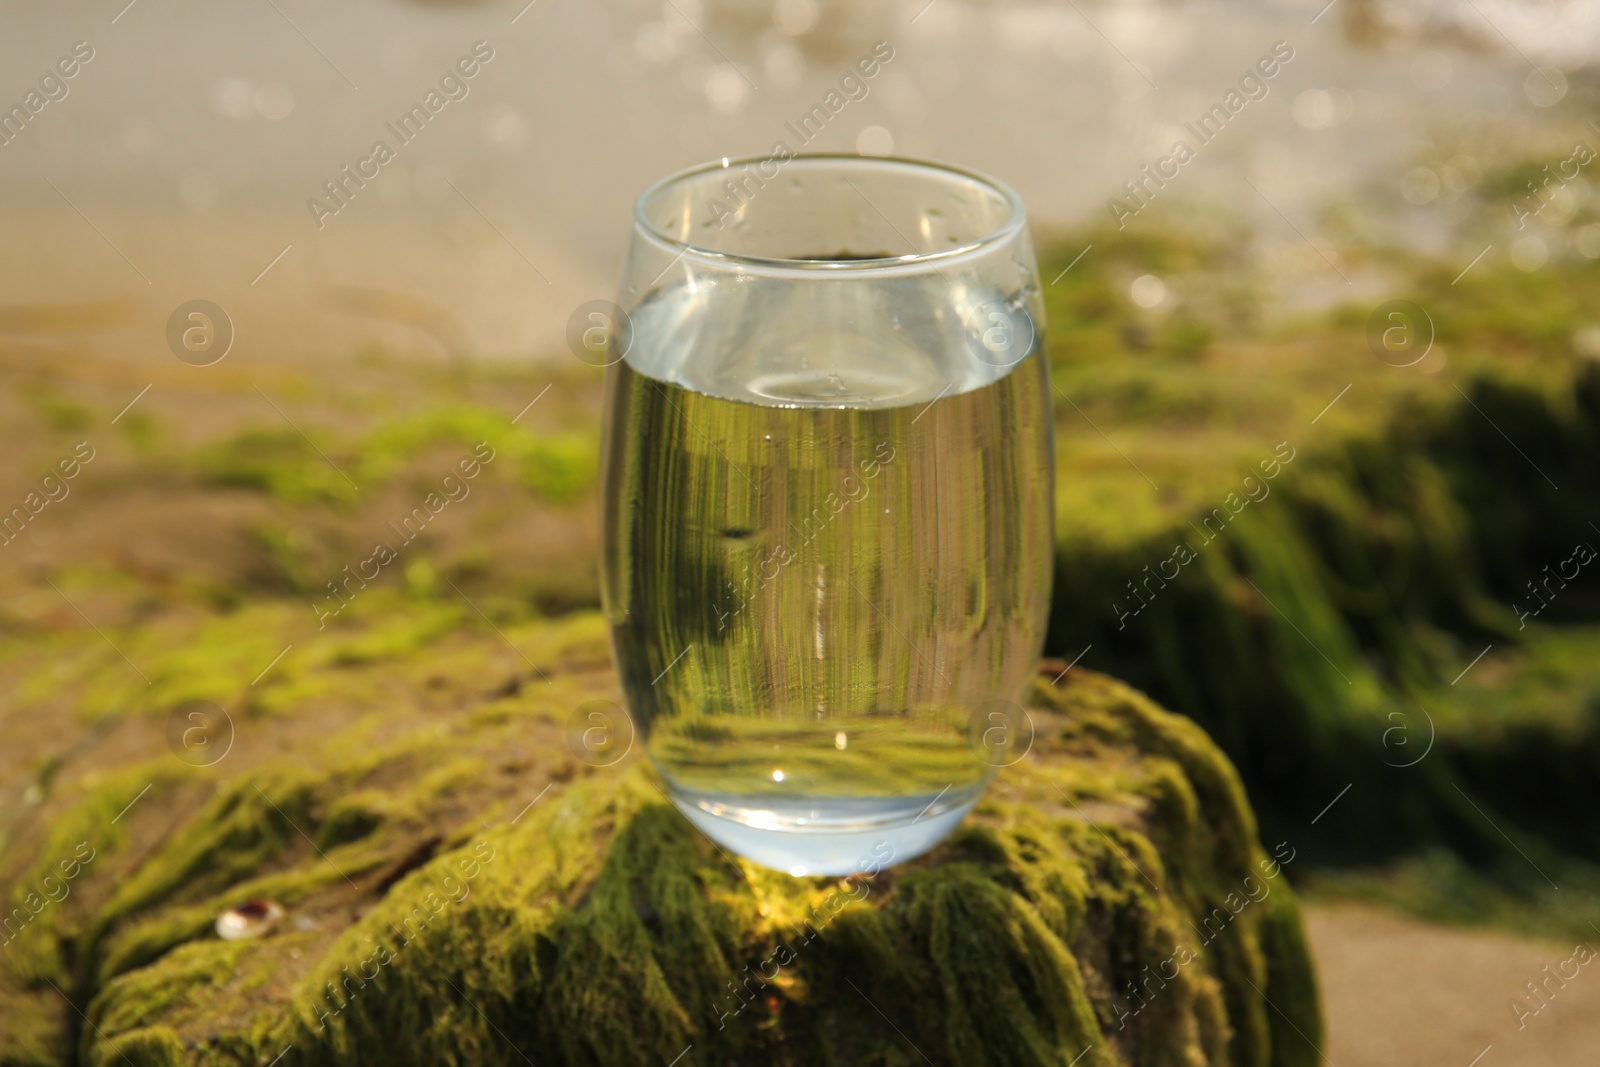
[470, 893]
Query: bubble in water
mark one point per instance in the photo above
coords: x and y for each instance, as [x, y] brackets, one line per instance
[1420, 185]
[1529, 253]
[1545, 86]
[725, 88]
[274, 101]
[795, 17]
[233, 98]
[1587, 239]
[1147, 291]
[875, 141]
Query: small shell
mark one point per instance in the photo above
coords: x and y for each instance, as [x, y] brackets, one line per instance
[249, 919]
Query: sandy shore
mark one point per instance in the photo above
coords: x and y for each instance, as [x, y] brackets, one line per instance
[1398, 990]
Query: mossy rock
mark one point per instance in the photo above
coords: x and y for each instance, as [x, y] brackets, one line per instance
[1318, 630]
[1106, 903]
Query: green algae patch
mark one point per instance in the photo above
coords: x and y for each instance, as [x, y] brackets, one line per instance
[1322, 634]
[1106, 903]
[290, 467]
[44, 898]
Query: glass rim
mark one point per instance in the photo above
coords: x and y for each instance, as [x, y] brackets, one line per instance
[1014, 223]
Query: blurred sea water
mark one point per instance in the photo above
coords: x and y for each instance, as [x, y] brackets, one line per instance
[184, 159]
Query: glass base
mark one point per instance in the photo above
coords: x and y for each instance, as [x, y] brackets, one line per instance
[826, 835]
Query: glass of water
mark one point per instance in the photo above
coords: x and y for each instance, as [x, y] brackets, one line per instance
[828, 500]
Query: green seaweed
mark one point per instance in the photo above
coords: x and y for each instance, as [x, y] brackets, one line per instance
[598, 927]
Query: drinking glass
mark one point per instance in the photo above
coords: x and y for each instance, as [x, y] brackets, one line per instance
[828, 500]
